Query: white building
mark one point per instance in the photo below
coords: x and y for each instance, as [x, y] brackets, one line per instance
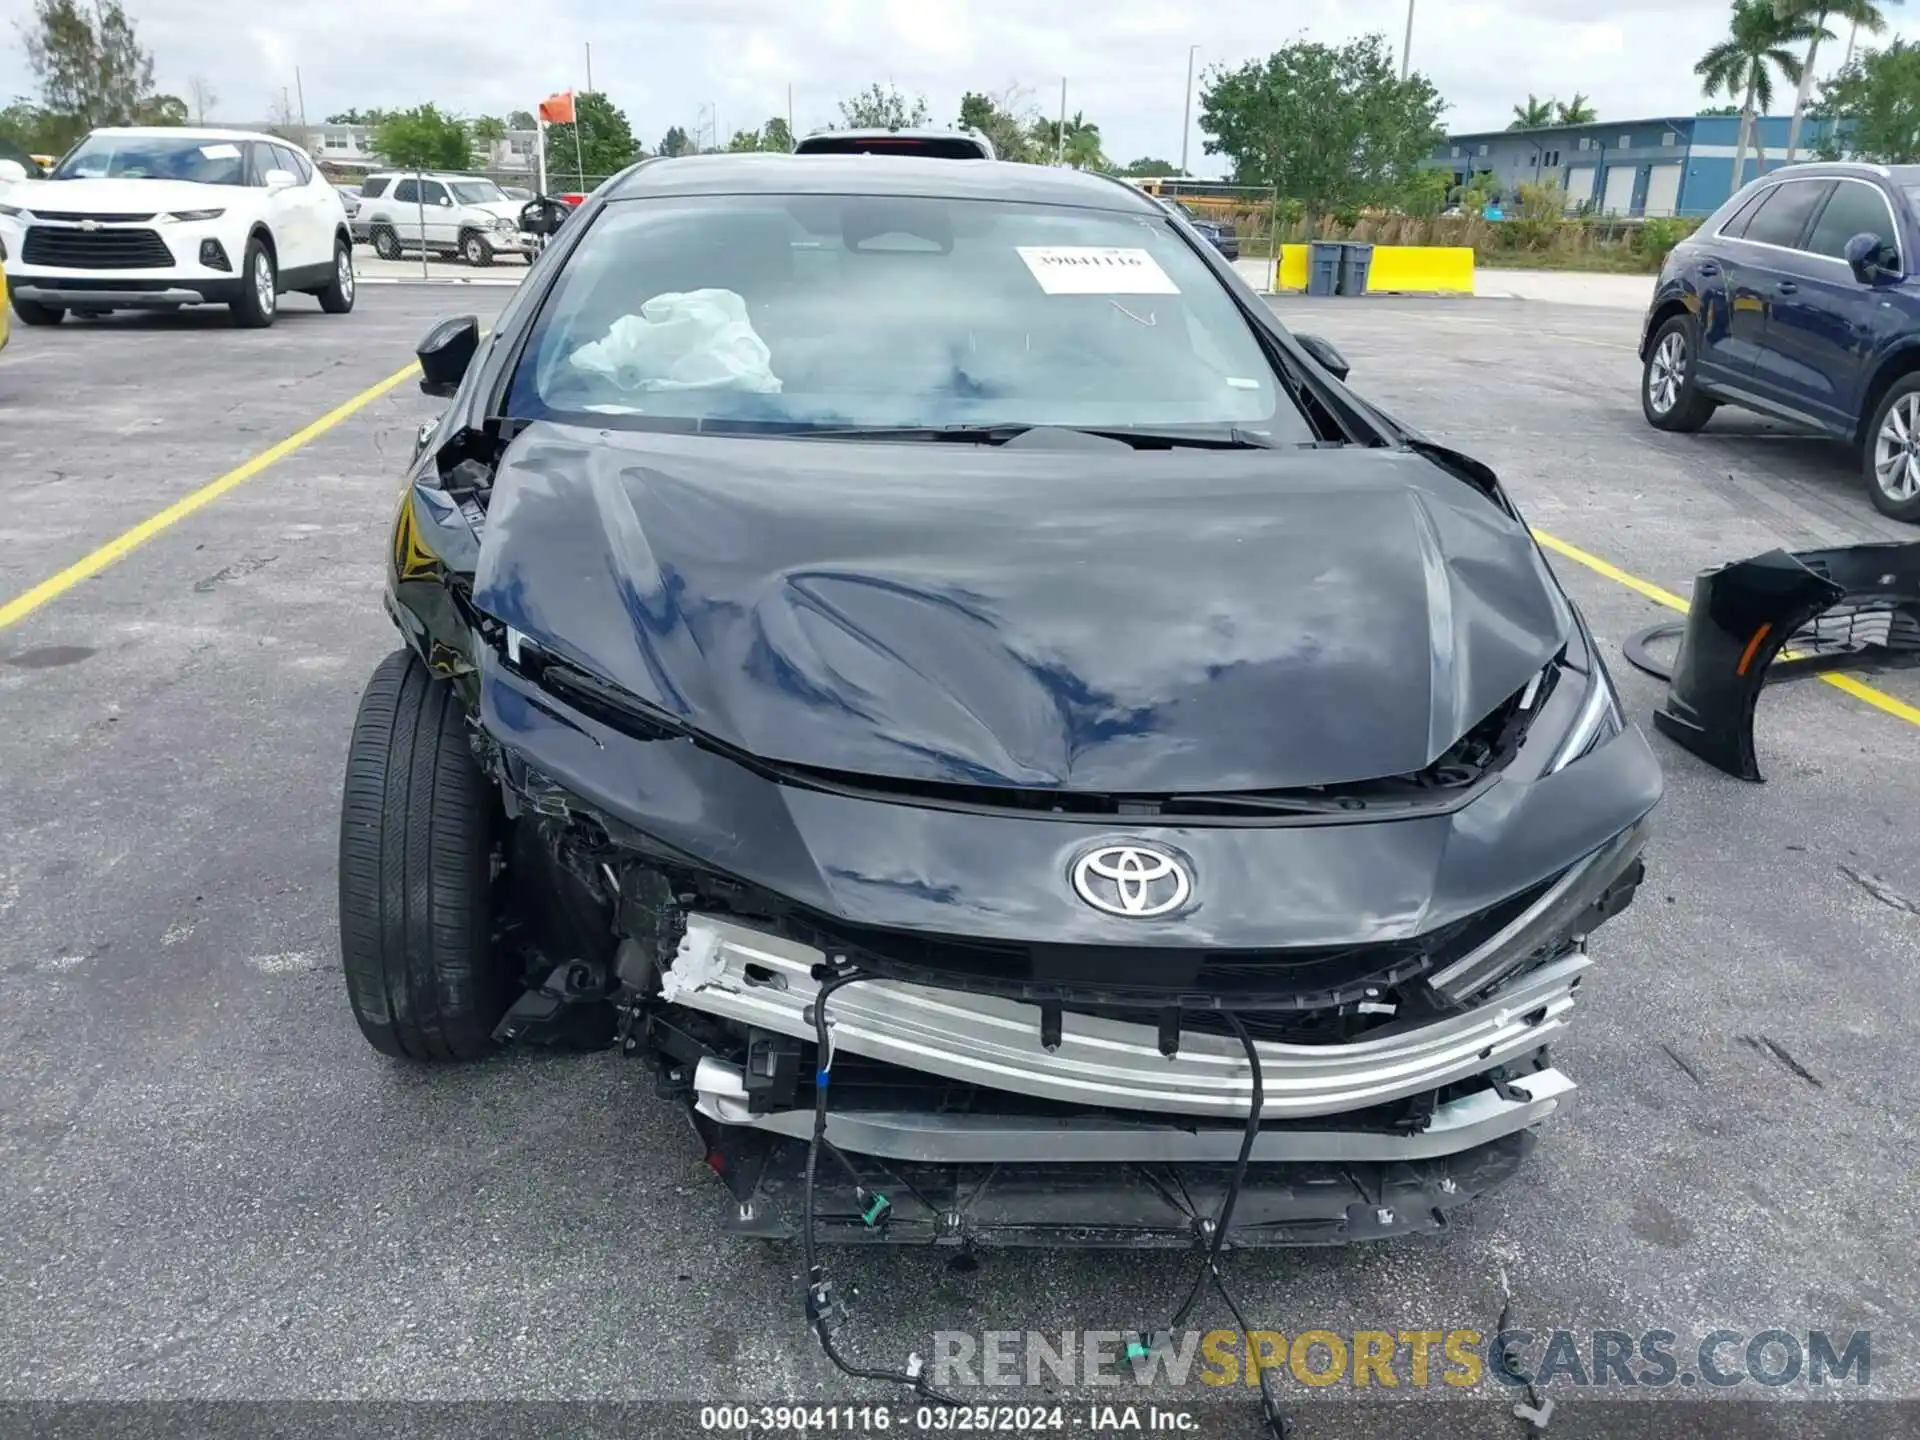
[350, 148]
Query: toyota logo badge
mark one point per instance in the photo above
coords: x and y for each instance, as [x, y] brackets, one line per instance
[1135, 881]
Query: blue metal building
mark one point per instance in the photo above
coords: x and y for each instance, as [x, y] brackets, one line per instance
[1672, 165]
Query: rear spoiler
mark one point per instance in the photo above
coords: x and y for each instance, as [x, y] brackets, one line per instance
[1775, 617]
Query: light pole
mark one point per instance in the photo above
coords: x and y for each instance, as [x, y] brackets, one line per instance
[1186, 115]
[1406, 46]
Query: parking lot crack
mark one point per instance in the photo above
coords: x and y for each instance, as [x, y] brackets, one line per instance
[1767, 1046]
[1880, 890]
[1686, 1069]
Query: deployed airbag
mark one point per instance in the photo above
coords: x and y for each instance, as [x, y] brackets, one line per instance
[683, 340]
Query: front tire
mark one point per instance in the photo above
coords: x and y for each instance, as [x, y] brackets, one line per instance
[418, 830]
[386, 244]
[337, 298]
[259, 298]
[1892, 452]
[475, 250]
[32, 312]
[1670, 393]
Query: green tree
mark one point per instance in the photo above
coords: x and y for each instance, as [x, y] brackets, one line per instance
[883, 107]
[1875, 104]
[1862, 14]
[1532, 115]
[1328, 125]
[423, 138]
[1080, 147]
[1425, 192]
[605, 143]
[362, 117]
[773, 136]
[28, 127]
[676, 142]
[1007, 120]
[1147, 167]
[162, 110]
[1575, 111]
[90, 64]
[1719, 110]
[521, 120]
[487, 129]
[1742, 65]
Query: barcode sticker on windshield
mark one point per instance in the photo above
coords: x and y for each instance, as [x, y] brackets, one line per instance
[220, 152]
[1096, 270]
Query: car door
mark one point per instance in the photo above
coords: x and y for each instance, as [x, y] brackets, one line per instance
[312, 238]
[281, 208]
[1769, 268]
[443, 230]
[1824, 326]
[403, 214]
[1712, 272]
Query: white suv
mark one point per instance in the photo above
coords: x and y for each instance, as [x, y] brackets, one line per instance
[464, 215]
[156, 218]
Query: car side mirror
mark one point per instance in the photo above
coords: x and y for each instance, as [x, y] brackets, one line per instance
[281, 179]
[543, 217]
[443, 200]
[1867, 258]
[12, 172]
[445, 355]
[1324, 354]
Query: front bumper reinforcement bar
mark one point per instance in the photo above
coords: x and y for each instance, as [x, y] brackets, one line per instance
[970, 1139]
[761, 980]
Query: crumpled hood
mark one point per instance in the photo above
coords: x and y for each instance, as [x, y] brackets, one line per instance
[1143, 622]
[124, 197]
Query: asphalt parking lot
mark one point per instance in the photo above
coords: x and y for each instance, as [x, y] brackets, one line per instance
[210, 1187]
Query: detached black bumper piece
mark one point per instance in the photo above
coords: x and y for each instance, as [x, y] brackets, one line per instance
[1774, 617]
[1103, 1206]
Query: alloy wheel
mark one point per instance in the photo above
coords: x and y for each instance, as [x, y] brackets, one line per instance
[263, 282]
[1896, 450]
[1667, 372]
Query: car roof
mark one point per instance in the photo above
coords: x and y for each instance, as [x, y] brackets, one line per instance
[194, 132]
[427, 175]
[1828, 169]
[763, 173]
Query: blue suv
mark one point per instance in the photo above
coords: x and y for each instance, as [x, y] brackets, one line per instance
[1792, 299]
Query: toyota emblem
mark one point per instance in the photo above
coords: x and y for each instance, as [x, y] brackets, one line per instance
[1135, 881]
[89, 224]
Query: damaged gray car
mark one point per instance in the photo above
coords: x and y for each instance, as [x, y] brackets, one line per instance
[1019, 749]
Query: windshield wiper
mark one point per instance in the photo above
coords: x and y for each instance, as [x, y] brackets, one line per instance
[1230, 437]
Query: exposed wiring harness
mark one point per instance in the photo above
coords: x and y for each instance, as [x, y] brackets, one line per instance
[1210, 1263]
[824, 1314]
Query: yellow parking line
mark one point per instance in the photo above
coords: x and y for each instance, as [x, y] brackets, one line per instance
[1879, 699]
[25, 604]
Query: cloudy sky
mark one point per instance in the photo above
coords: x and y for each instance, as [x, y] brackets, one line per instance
[671, 62]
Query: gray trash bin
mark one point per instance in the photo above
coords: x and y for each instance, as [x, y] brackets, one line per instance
[1356, 259]
[1323, 267]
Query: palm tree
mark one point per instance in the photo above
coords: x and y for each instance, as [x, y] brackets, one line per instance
[1577, 111]
[1080, 147]
[1532, 115]
[1863, 14]
[1743, 64]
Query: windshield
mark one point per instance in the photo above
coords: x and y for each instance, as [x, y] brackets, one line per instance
[476, 192]
[830, 311]
[153, 157]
